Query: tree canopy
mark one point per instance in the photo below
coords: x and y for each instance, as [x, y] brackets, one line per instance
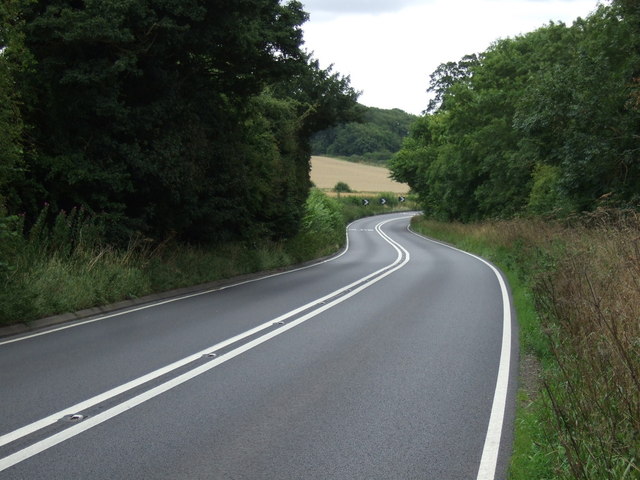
[173, 117]
[375, 135]
[545, 122]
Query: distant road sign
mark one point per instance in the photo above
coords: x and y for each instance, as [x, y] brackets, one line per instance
[401, 199]
[383, 201]
[365, 202]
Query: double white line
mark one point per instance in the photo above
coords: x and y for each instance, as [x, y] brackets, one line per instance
[315, 308]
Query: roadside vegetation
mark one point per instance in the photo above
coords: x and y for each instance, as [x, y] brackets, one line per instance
[528, 156]
[576, 287]
[62, 263]
[543, 123]
[191, 121]
[149, 145]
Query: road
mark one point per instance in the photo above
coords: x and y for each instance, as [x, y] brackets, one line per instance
[395, 359]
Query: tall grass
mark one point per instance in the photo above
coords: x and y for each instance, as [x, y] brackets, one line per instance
[58, 266]
[582, 421]
[61, 264]
[590, 304]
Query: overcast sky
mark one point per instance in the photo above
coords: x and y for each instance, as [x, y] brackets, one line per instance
[390, 47]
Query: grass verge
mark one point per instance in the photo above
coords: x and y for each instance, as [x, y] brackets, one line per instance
[62, 266]
[577, 294]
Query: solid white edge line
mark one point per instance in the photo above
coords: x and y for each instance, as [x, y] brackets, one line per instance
[491, 449]
[53, 418]
[179, 298]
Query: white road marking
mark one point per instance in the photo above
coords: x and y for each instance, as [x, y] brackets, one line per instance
[90, 422]
[491, 449]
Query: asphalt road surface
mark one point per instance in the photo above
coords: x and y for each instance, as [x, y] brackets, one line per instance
[394, 360]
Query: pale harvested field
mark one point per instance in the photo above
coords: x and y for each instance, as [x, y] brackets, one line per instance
[326, 172]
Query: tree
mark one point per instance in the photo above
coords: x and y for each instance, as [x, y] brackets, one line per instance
[10, 131]
[342, 187]
[578, 116]
[445, 76]
[13, 58]
[542, 122]
[375, 134]
[155, 114]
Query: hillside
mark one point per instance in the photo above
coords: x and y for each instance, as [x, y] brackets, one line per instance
[374, 139]
[326, 172]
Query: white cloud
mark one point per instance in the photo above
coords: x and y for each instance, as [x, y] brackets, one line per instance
[390, 54]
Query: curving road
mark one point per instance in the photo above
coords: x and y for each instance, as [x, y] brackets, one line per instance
[393, 360]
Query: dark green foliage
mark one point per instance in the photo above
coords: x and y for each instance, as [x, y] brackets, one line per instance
[13, 60]
[545, 122]
[581, 114]
[342, 188]
[187, 118]
[10, 132]
[375, 137]
[324, 97]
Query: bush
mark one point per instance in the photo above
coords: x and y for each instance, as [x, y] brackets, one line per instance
[342, 187]
[322, 229]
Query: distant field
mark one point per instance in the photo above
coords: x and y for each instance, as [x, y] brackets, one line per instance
[326, 172]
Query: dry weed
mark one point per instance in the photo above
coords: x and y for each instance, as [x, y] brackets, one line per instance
[591, 310]
[585, 274]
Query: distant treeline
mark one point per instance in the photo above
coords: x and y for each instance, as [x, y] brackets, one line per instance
[374, 138]
[547, 122]
[181, 118]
